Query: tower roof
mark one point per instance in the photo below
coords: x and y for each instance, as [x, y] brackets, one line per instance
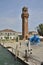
[24, 9]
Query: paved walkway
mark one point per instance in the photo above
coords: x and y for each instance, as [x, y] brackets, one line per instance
[37, 51]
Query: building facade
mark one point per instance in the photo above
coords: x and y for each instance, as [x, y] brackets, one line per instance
[8, 34]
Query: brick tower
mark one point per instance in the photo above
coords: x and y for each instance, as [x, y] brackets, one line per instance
[25, 16]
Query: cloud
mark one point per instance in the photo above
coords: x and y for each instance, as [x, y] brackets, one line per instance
[36, 14]
[7, 22]
[11, 22]
[15, 22]
[35, 18]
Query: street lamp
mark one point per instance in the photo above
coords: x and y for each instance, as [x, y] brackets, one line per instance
[29, 47]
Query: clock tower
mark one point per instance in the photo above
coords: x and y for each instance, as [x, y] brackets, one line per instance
[25, 16]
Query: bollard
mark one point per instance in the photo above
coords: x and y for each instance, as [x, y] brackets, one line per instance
[31, 51]
[29, 47]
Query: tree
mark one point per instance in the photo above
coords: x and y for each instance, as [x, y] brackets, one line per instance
[40, 29]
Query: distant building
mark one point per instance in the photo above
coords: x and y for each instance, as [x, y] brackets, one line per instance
[32, 33]
[20, 35]
[8, 34]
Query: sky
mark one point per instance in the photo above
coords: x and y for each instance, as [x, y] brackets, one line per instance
[11, 10]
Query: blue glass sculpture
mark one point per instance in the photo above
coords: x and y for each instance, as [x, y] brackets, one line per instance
[34, 39]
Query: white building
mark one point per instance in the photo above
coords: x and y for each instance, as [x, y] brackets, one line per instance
[8, 34]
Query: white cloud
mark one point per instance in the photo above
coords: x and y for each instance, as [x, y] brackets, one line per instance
[36, 14]
[7, 22]
[35, 18]
[13, 23]
[5, 19]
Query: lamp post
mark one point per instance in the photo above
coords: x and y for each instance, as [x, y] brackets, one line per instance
[29, 47]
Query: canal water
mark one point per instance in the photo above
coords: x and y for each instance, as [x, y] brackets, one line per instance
[6, 58]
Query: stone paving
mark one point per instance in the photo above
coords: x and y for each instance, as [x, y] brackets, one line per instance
[37, 51]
